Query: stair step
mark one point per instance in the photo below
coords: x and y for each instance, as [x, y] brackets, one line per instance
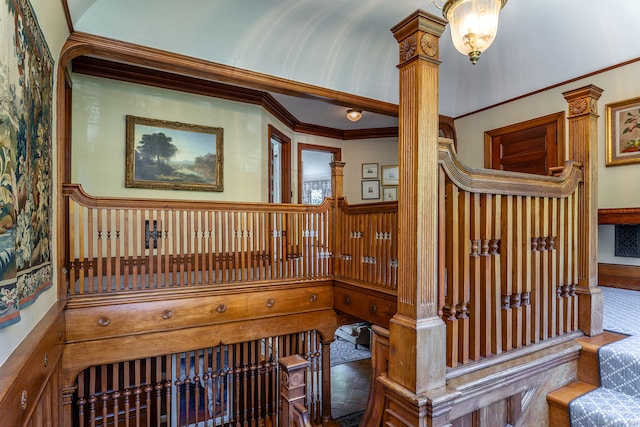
[559, 402]
[603, 406]
[620, 366]
[588, 370]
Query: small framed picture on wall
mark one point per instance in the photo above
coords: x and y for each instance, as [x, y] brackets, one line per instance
[389, 193]
[369, 170]
[390, 175]
[371, 190]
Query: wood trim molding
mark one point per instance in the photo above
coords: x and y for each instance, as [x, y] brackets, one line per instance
[25, 376]
[129, 73]
[79, 44]
[619, 276]
[619, 216]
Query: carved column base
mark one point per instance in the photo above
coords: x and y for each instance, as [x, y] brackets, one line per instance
[417, 353]
[406, 409]
[590, 306]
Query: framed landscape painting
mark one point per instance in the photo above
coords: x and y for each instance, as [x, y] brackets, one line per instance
[172, 155]
[623, 132]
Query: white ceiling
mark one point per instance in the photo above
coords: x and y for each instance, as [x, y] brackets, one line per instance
[346, 45]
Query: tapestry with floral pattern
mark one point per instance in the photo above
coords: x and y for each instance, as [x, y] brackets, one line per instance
[26, 99]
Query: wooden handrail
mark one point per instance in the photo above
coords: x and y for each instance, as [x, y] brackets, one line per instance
[77, 193]
[492, 181]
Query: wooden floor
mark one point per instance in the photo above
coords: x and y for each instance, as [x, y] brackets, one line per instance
[350, 387]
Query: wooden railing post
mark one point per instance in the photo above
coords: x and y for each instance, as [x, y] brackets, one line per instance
[583, 147]
[416, 333]
[292, 386]
[337, 187]
[337, 179]
[326, 381]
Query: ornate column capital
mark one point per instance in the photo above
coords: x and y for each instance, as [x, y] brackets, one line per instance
[418, 36]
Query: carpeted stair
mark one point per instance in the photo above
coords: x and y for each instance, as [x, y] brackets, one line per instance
[617, 401]
[608, 391]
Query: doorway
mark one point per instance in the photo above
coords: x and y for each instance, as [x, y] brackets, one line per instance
[314, 172]
[533, 146]
[279, 166]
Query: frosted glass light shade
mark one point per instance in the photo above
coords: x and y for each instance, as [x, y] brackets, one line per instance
[474, 24]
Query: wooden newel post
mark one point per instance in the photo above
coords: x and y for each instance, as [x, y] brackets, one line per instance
[417, 335]
[292, 386]
[337, 179]
[326, 382]
[337, 187]
[583, 147]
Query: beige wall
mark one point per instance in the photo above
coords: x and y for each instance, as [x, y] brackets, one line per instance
[99, 109]
[615, 183]
[53, 24]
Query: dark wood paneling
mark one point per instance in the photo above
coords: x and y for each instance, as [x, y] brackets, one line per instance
[619, 276]
[366, 304]
[532, 146]
[619, 216]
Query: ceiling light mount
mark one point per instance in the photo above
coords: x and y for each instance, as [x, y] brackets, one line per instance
[353, 114]
[474, 24]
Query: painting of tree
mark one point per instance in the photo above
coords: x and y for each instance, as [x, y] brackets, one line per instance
[173, 155]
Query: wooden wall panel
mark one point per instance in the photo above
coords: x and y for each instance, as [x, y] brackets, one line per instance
[29, 379]
[619, 276]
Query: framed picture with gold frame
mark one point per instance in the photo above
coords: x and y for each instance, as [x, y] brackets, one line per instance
[623, 132]
[173, 156]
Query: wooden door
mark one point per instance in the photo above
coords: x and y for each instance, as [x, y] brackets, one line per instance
[533, 146]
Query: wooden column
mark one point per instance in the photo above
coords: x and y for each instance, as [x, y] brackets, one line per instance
[583, 147]
[292, 386]
[416, 333]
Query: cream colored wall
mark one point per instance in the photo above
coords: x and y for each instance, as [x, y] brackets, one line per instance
[98, 135]
[615, 183]
[53, 24]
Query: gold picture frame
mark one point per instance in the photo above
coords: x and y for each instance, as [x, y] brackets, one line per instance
[173, 156]
[623, 132]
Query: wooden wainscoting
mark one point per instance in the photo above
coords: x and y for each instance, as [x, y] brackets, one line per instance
[619, 276]
[30, 378]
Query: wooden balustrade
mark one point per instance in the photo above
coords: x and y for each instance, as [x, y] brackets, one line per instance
[367, 247]
[234, 384]
[507, 258]
[119, 245]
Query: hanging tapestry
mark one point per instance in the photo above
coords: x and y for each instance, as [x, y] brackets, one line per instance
[26, 89]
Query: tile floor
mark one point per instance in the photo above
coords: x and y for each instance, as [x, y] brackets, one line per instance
[350, 387]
